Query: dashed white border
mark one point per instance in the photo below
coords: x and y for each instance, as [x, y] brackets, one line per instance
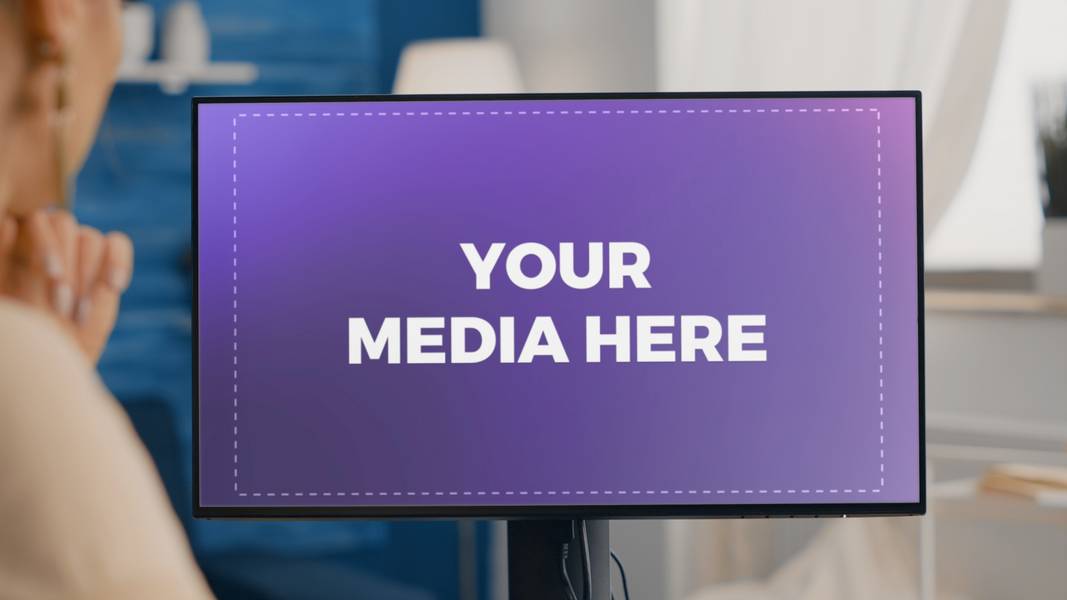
[561, 493]
[881, 312]
[620, 492]
[234, 158]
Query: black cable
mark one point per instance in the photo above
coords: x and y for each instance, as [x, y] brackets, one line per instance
[587, 567]
[587, 575]
[569, 588]
[622, 575]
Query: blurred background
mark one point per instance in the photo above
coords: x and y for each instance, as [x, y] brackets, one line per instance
[994, 78]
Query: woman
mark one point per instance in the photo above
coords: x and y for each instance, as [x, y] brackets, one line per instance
[82, 513]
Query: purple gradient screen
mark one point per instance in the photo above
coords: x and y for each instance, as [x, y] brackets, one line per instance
[799, 209]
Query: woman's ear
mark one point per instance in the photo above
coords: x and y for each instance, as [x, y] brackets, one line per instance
[49, 24]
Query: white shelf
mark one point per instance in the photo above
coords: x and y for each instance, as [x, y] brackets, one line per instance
[1024, 430]
[175, 79]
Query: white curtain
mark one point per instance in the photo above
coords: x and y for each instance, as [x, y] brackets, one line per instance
[948, 49]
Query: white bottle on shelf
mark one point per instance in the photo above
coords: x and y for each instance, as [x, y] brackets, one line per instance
[185, 42]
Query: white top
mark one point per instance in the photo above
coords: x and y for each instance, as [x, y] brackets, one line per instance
[82, 511]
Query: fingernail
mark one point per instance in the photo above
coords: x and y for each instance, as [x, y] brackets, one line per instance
[119, 280]
[84, 306]
[64, 299]
[52, 266]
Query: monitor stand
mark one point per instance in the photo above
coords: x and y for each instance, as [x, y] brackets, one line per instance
[534, 553]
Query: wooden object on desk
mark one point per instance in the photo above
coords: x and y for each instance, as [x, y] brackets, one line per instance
[1019, 303]
[1035, 482]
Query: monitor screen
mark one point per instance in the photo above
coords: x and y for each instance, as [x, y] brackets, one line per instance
[610, 305]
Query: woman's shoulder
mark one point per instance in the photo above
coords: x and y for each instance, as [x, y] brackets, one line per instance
[93, 517]
[33, 350]
[26, 328]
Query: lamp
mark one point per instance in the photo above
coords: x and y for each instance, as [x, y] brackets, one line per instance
[460, 65]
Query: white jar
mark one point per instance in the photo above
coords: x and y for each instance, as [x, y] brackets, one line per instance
[186, 41]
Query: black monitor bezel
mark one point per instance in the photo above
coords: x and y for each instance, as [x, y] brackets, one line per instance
[629, 511]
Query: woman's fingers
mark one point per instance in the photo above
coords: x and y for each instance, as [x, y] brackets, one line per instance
[96, 316]
[99, 309]
[73, 273]
[47, 259]
[119, 261]
[66, 231]
[46, 252]
[90, 259]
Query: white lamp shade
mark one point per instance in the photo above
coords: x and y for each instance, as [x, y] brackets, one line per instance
[457, 66]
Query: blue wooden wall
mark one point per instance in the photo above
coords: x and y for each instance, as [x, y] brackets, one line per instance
[137, 180]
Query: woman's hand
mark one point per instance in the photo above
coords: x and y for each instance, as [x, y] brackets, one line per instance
[72, 272]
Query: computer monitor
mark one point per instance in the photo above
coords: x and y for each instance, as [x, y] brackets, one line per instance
[558, 306]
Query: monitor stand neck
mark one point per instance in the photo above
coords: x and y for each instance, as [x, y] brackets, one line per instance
[534, 553]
